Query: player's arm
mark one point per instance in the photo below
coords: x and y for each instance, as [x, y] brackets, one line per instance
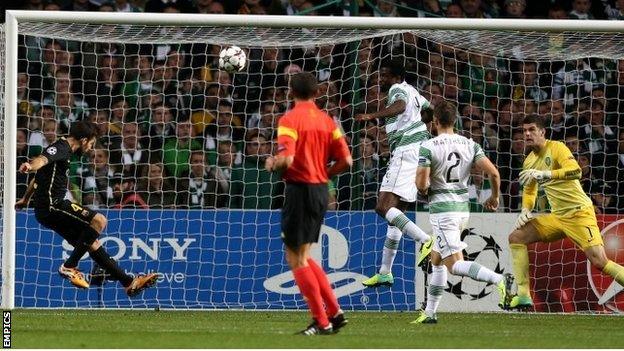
[391, 110]
[34, 165]
[423, 171]
[339, 152]
[483, 164]
[568, 169]
[23, 202]
[529, 196]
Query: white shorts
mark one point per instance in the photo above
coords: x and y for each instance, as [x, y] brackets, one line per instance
[400, 178]
[447, 229]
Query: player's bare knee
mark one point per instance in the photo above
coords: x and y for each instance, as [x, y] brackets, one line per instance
[99, 222]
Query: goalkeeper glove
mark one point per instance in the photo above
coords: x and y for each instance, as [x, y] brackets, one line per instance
[525, 217]
[529, 175]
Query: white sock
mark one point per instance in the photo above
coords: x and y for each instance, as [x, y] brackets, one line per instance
[398, 219]
[391, 246]
[476, 272]
[437, 284]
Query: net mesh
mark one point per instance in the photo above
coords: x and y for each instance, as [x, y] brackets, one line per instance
[180, 135]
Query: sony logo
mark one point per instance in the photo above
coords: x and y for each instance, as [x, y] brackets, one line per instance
[139, 249]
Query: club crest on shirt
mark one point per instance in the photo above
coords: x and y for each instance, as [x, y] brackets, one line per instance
[547, 161]
[52, 150]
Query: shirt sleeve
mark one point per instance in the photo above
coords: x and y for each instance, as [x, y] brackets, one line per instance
[339, 148]
[286, 138]
[422, 102]
[569, 168]
[424, 157]
[57, 151]
[478, 152]
[529, 193]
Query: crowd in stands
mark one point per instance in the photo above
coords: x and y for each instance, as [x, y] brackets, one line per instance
[177, 132]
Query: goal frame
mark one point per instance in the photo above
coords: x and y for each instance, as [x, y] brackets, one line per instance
[14, 17]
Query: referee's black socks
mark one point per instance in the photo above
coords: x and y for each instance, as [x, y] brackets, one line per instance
[110, 265]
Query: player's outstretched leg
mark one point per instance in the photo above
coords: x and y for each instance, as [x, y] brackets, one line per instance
[483, 274]
[69, 270]
[437, 284]
[133, 286]
[518, 241]
[597, 256]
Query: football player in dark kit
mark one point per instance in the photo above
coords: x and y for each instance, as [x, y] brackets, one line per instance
[78, 225]
[307, 140]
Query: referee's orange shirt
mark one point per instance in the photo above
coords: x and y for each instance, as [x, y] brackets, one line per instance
[312, 137]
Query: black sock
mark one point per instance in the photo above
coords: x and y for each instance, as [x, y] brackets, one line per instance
[101, 257]
[76, 255]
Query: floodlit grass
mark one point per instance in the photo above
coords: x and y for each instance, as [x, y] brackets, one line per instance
[250, 329]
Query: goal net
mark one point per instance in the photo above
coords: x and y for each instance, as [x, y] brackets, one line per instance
[178, 171]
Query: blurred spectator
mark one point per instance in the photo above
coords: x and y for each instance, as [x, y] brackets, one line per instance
[557, 12]
[160, 128]
[125, 6]
[573, 81]
[251, 186]
[614, 12]
[104, 174]
[472, 9]
[367, 171]
[127, 151]
[386, 9]
[155, 189]
[199, 187]
[527, 86]
[515, 9]
[454, 10]
[601, 139]
[603, 199]
[559, 120]
[177, 150]
[581, 10]
[25, 153]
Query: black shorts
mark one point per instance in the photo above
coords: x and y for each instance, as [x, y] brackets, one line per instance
[66, 218]
[303, 213]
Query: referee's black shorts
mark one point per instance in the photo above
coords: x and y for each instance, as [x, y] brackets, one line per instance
[66, 218]
[303, 213]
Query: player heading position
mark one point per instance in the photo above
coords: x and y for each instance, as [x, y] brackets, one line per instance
[406, 129]
[307, 140]
[443, 171]
[552, 166]
[78, 225]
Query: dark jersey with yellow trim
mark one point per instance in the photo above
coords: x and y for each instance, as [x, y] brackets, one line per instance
[51, 179]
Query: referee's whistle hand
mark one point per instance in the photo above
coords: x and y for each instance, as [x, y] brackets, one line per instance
[25, 167]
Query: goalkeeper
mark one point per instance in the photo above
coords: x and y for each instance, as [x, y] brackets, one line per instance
[551, 165]
[78, 225]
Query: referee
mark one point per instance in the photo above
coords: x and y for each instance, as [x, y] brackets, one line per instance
[308, 139]
[78, 225]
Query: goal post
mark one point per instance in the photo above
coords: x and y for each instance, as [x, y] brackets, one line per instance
[229, 256]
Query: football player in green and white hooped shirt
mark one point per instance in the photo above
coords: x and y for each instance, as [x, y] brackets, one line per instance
[443, 171]
[406, 129]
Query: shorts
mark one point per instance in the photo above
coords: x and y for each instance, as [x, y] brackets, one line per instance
[581, 227]
[66, 218]
[400, 178]
[303, 213]
[447, 229]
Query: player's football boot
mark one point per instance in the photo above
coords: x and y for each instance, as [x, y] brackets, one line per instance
[338, 321]
[504, 289]
[141, 283]
[314, 329]
[379, 280]
[423, 318]
[74, 276]
[424, 252]
[519, 302]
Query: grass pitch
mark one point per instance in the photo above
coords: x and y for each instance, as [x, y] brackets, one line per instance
[247, 329]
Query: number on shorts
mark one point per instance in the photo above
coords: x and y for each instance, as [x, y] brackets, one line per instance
[450, 169]
[440, 242]
[76, 208]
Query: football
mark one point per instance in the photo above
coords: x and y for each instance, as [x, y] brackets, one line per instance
[232, 59]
